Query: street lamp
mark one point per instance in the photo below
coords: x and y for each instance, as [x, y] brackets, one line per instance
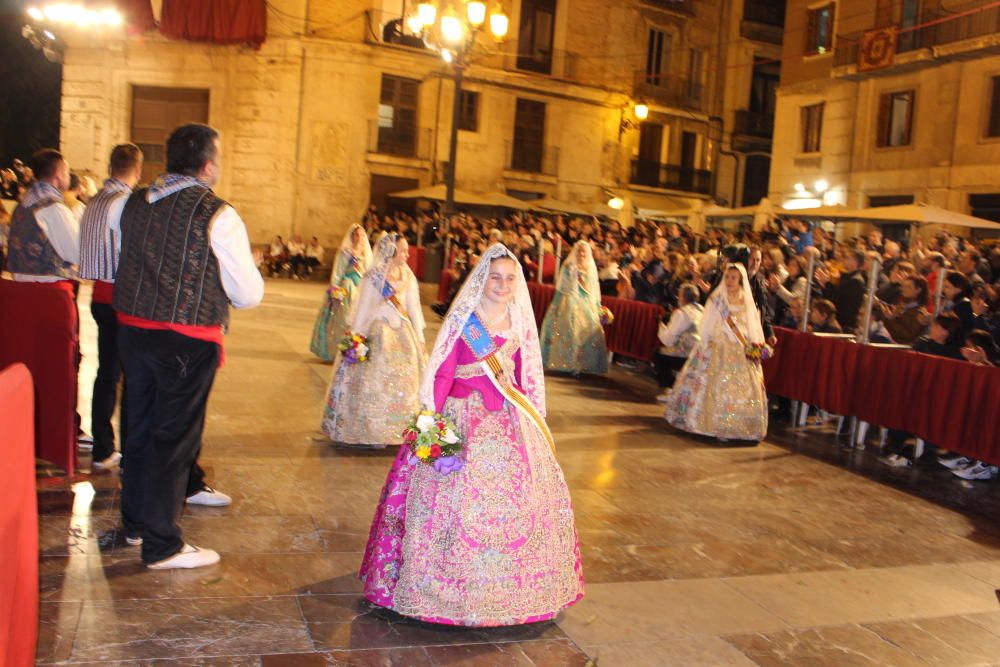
[454, 35]
[641, 112]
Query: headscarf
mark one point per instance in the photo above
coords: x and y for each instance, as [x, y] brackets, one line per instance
[573, 275]
[522, 322]
[713, 322]
[364, 308]
[341, 265]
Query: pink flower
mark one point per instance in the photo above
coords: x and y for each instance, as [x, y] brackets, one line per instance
[435, 451]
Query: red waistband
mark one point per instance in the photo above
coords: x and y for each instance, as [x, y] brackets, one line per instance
[103, 292]
[211, 334]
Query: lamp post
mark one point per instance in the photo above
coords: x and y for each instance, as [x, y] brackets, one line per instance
[453, 33]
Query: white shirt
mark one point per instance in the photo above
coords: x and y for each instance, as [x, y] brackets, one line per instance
[59, 224]
[242, 282]
[315, 251]
[681, 320]
[295, 249]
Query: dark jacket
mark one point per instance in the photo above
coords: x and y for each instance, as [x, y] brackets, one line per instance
[848, 295]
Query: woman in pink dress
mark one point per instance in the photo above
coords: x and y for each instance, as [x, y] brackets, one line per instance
[492, 542]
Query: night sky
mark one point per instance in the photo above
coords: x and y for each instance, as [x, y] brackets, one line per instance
[29, 103]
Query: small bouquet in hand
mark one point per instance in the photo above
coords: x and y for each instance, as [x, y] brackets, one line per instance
[606, 316]
[433, 439]
[336, 293]
[758, 352]
[354, 347]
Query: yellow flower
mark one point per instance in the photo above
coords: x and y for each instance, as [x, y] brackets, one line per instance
[423, 452]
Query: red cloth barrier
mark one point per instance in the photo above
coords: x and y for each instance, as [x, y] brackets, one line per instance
[946, 402]
[416, 261]
[38, 327]
[215, 21]
[447, 277]
[632, 334]
[18, 520]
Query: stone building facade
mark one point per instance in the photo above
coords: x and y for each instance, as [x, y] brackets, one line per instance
[915, 122]
[334, 111]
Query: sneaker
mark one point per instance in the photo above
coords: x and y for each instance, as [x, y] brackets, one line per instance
[956, 462]
[189, 557]
[133, 541]
[84, 442]
[108, 463]
[209, 497]
[978, 471]
[664, 397]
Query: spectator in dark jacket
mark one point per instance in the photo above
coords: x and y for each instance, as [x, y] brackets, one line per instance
[849, 293]
[957, 291]
[823, 317]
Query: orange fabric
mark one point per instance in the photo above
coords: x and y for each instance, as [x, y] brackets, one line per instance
[210, 334]
[18, 520]
[39, 328]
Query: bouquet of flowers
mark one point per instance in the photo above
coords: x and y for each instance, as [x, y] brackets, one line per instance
[336, 293]
[354, 347]
[606, 316]
[758, 352]
[433, 439]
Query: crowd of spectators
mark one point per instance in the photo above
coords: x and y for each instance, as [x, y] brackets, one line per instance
[651, 261]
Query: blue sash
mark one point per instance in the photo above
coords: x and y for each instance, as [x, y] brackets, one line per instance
[479, 340]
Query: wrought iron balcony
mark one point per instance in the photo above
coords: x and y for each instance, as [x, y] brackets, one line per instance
[670, 91]
[754, 123]
[670, 176]
[936, 29]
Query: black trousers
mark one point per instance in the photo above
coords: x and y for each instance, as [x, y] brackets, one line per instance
[168, 378]
[666, 368]
[109, 371]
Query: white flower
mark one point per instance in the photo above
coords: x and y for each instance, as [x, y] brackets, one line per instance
[425, 423]
[362, 350]
[449, 436]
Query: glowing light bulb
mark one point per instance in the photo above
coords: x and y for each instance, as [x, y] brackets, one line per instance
[616, 203]
[476, 11]
[451, 29]
[641, 111]
[35, 13]
[427, 13]
[499, 24]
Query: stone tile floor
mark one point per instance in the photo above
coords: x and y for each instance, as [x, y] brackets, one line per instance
[796, 552]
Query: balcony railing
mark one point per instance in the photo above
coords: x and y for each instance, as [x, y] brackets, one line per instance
[754, 123]
[412, 143]
[671, 91]
[681, 6]
[967, 24]
[532, 158]
[382, 27]
[767, 12]
[670, 176]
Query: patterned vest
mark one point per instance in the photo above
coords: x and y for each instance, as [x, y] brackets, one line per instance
[31, 252]
[167, 271]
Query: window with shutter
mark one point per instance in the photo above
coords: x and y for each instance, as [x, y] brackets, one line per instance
[469, 118]
[819, 30]
[529, 136]
[812, 127]
[895, 119]
[993, 122]
[397, 116]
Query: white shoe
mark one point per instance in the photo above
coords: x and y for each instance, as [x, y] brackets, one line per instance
[84, 442]
[957, 462]
[664, 397]
[209, 497]
[978, 471]
[133, 541]
[107, 464]
[896, 461]
[189, 557]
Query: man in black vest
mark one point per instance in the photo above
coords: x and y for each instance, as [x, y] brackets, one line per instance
[185, 258]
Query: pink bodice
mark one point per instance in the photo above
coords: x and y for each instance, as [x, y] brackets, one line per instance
[458, 376]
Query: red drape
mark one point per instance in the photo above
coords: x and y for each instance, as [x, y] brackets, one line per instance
[416, 261]
[215, 21]
[633, 333]
[950, 403]
[38, 327]
[18, 521]
[138, 15]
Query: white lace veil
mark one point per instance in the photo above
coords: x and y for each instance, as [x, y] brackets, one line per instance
[522, 321]
[713, 322]
[340, 262]
[570, 274]
[369, 299]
